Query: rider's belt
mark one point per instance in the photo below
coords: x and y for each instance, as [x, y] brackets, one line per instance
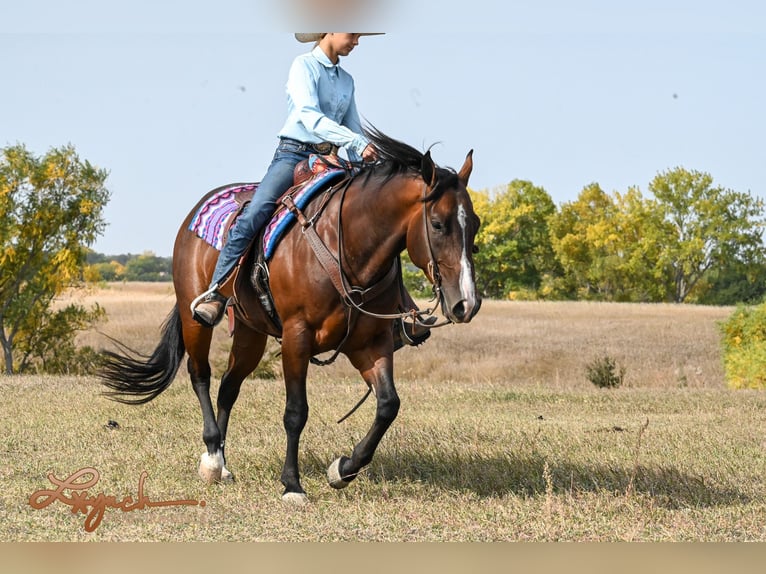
[324, 148]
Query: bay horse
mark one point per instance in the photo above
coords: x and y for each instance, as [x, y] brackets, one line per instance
[402, 201]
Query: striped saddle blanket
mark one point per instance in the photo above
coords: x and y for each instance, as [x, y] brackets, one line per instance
[220, 211]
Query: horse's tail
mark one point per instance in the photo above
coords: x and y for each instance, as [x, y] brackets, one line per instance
[136, 379]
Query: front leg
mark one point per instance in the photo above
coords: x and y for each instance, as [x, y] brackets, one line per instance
[376, 367]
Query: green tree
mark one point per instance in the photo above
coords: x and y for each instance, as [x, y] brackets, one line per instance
[583, 234]
[708, 227]
[515, 253]
[608, 246]
[148, 267]
[735, 282]
[635, 249]
[51, 209]
[104, 271]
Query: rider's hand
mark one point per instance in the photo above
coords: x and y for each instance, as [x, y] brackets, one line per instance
[369, 154]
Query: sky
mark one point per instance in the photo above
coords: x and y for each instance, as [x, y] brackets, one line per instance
[176, 97]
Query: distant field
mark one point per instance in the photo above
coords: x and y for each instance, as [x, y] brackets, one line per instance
[500, 437]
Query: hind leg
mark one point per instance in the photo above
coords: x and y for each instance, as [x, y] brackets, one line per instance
[198, 347]
[246, 352]
[192, 265]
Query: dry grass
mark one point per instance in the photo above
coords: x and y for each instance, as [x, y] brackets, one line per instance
[500, 437]
[531, 343]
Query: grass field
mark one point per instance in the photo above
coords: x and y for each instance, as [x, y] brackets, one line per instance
[500, 437]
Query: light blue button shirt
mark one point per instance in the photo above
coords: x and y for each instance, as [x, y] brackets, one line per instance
[320, 104]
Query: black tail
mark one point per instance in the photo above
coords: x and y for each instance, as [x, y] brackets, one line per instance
[137, 379]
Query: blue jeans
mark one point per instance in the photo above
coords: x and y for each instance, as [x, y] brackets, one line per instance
[278, 179]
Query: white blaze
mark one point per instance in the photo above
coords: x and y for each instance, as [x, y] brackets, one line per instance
[467, 287]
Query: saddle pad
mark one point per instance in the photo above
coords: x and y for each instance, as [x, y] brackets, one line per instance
[284, 217]
[212, 218]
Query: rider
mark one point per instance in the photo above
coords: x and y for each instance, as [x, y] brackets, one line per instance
[321, 117]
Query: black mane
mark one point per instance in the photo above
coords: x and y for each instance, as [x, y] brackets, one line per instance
[398, 158]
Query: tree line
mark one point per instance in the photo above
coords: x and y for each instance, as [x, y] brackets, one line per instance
[127, 267]
[687, 240]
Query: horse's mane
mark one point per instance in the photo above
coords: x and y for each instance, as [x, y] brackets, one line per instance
[398, 158]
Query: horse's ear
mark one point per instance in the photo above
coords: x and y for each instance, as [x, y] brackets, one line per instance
[428, 169]
[465, 171]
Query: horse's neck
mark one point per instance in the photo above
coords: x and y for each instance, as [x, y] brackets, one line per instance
[379, 225]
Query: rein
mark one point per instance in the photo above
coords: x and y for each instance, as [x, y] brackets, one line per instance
[433, 269]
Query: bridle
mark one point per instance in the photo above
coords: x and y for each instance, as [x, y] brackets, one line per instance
[349, 292]
[355, 297]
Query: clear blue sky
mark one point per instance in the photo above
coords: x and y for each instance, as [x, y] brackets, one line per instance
[177, 97]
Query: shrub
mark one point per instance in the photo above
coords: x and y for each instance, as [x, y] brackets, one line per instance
[51, 347]
[744, 348]
[603, 372]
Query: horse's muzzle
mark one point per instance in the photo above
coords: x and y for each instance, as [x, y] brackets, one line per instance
[463, 311]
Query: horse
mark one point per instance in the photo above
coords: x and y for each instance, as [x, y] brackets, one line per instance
[401, 201]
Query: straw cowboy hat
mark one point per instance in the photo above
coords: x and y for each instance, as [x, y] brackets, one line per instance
[316, 36]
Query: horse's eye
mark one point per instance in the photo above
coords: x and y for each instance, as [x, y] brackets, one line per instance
[437, 225]
[475, 249]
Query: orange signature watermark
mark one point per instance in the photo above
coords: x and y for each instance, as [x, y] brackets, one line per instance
[93, 507]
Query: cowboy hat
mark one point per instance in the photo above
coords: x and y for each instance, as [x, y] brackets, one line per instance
[316, 36]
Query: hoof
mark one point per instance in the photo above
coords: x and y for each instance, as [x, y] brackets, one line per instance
[211, 467]
[226, 476]
[295, 498]
[334, 477]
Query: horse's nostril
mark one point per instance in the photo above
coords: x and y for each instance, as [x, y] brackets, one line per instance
[458, 310]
